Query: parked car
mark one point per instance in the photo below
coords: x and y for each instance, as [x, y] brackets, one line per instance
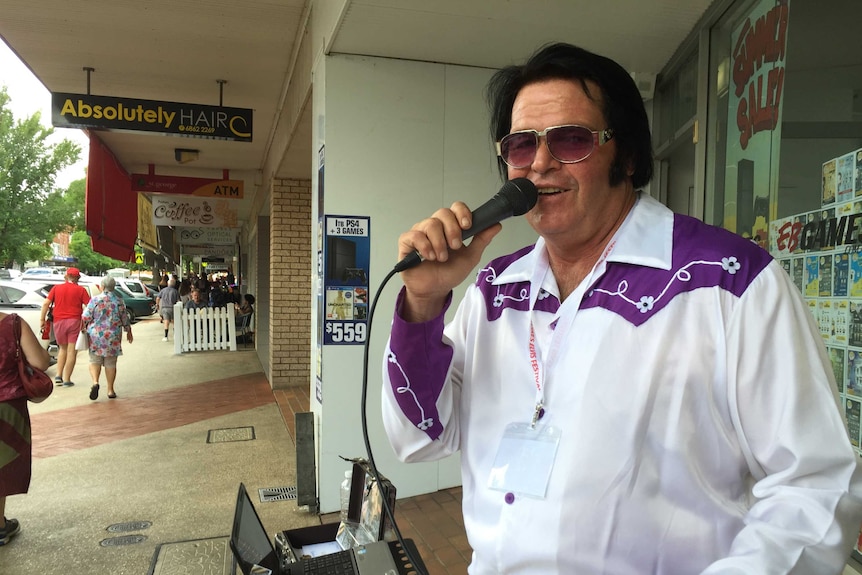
[25, 299]
[136, 286]
[137, 304]
[42, 273]
[9, 274]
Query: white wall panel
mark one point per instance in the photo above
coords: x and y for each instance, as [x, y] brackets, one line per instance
[402, 139]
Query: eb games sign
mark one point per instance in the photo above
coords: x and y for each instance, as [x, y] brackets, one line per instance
[818, 235]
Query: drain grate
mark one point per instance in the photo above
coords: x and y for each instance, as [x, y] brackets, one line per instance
[269, 494]
[122, 540]
[230, 434]
[129, 526]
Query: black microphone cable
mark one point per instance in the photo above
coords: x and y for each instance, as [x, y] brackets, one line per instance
[415, 565]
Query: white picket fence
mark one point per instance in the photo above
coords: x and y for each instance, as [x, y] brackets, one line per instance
[204, 329]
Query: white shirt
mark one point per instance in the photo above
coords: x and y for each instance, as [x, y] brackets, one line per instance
[700, 431]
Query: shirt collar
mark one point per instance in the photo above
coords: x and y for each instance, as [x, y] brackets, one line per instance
[645, 238]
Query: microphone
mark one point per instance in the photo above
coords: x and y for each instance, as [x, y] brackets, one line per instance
[515, 198]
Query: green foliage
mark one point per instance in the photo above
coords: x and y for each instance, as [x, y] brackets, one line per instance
[73, 204]
[31, 210]
[90, 262]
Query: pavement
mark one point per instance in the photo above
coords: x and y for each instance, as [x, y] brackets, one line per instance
[146, 483]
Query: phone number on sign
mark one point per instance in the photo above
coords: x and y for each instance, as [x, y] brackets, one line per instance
[346, 332]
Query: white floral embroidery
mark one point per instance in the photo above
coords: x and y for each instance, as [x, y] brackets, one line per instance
[730, 265]
[426, 422]
[646, 303]
[500, 298]
[492, 274]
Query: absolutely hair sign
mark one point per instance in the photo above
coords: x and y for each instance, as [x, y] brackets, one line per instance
[134, 115]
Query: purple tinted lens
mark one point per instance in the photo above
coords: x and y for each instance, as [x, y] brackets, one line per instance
[570, 143]
[519, 149]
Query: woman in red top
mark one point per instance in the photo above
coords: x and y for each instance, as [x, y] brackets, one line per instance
[69, 300]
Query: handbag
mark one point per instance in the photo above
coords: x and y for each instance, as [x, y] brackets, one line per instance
[83, 341]
[37, 384]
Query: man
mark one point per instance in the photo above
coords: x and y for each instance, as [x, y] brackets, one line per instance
[638, 392]
[165, 301]
[197, 301]
[69, 300]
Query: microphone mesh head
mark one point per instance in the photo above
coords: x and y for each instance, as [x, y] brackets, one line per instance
[521, 194]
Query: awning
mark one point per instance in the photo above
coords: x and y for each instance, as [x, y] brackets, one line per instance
[111, 208]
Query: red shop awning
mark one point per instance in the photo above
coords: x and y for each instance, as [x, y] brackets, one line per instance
[111, 207]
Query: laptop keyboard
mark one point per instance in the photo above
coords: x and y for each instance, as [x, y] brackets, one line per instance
[340, 563]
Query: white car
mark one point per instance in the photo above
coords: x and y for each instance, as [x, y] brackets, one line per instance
[135, 286]
[9, 274]
[25, 299]
[42, 273]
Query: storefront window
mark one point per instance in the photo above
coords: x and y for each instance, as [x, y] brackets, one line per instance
[785, 167]
[677, 99]
[784, 160]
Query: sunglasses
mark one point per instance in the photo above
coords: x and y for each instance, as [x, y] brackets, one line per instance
[567, 144]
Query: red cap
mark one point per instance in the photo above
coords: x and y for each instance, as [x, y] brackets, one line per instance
[73, 272]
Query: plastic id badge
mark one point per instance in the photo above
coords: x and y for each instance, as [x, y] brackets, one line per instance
[525, 459]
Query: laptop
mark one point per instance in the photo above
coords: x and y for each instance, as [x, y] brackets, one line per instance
[256, 555]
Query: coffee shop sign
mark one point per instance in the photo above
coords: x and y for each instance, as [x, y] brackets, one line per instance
[185, 211]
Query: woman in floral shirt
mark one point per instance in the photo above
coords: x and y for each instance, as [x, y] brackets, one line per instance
[105, 319]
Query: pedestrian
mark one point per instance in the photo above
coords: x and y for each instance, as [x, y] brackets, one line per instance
[68, 301]
[165, 301]
[196, 301]
[185, 290]
[15, 446]
[638, 392]
[105, 319]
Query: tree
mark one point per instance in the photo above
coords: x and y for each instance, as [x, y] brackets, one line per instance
[73, 200]
[90, 262]
[31, 210]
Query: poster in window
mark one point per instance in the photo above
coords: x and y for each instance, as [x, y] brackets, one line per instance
[840, 272]
[825, 271]
[798, 265]
[841, 313]
[855, 337]
[838, 357]
[852, 412]
[845, 177]
[812, 276]
[858, 185]
[826, 320]
[854, 373]
[829, 186]
[346, 265]
[855, 275]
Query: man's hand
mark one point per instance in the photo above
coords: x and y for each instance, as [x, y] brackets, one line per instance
[446, 261]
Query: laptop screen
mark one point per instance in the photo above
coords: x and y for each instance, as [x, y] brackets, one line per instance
[248, 540]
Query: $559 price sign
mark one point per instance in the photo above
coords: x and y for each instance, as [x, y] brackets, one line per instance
[345, 332]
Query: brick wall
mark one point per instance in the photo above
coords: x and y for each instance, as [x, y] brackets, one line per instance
[290, 283]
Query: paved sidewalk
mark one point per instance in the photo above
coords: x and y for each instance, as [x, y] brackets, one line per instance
[144, 459]
[164, 460]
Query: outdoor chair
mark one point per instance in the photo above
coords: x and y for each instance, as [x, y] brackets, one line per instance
[243, 330]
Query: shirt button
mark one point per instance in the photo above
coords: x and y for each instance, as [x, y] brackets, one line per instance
[541, 413]
[510, 498]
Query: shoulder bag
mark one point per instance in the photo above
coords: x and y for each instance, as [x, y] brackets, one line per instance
[36, 382]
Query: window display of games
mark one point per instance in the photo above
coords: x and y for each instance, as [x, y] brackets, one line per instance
[821, 251]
